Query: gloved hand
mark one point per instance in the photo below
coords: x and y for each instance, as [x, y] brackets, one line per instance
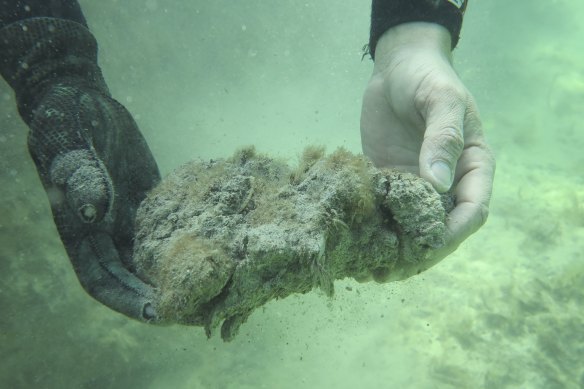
[418, 116]
[92, 160]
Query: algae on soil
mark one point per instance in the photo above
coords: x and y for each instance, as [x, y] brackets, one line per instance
[220, 238]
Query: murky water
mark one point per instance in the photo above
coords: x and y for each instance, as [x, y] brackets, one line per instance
[204, 78]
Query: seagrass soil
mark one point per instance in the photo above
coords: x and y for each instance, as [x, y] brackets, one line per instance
[221, 238]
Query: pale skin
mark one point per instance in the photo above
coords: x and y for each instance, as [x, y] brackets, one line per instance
[417, 116]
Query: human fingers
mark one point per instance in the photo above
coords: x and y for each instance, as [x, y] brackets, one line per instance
[443, 109]
[474, 186]
[102, 275]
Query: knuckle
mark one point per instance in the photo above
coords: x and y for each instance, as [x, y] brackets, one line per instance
[472, 120]
[455, 97]
[443, 92]
[482, 214]
[453, 137]
[448, 141]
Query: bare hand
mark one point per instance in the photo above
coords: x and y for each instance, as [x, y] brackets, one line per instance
[417, 116]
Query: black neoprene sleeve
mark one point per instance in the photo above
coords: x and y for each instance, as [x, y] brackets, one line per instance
[388, 13]
[384, 14]
[17, 10]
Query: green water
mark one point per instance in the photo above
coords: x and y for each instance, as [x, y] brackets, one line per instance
[203, 78]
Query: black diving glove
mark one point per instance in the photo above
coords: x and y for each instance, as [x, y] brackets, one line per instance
[92, 160]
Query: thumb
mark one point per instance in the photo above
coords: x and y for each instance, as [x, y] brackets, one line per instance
[443, 142]
[86, 183]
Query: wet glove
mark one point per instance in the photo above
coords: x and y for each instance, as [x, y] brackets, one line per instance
[91, 158]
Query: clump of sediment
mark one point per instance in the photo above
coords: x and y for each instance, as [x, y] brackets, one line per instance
[220, 238]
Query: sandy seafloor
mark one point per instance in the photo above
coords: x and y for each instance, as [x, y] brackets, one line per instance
[505, 311]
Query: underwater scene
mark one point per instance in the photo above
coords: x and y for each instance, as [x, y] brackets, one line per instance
[203, 79]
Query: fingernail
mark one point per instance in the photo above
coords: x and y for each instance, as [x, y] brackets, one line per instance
[442, 174]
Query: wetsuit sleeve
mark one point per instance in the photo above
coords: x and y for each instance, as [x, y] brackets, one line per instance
[388, 13]
[17, 10]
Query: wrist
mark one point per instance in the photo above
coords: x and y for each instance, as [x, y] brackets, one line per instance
[386, 14]
[408, 39]
[41, 52]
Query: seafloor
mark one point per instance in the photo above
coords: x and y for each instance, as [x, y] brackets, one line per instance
[205, 78]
